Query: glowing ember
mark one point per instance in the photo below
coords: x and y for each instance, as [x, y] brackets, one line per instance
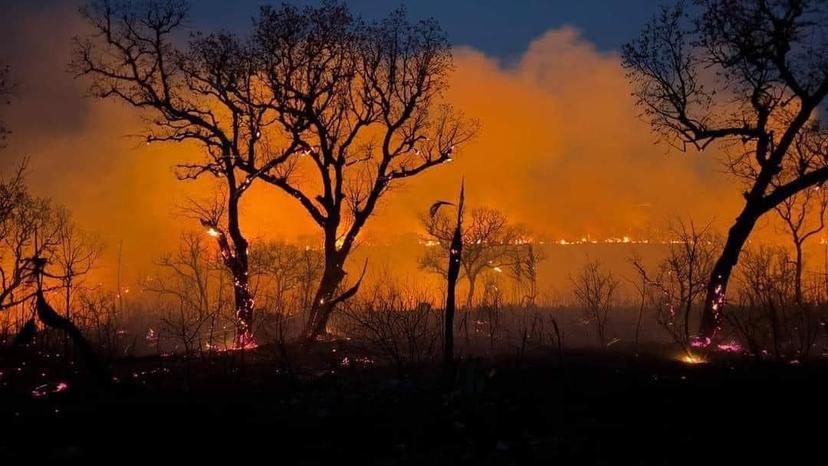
[246, 341]
[731, 347]
[700, 342]
[49, 388]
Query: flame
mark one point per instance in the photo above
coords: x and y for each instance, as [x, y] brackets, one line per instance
[692, 359]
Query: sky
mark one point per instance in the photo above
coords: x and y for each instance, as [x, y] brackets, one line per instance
[500, 28]
[561, 147]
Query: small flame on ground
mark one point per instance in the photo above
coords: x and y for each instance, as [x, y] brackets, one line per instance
[693, 359]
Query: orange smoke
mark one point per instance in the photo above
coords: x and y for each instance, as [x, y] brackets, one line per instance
[560, 149]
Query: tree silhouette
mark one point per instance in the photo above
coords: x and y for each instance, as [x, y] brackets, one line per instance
[76, 252]
[804, 216]
[751, 75]
[595, 290]
[204, 92]
[489, 243]
[29, 232]
[455, 258]
[676, 287]
[363, 99]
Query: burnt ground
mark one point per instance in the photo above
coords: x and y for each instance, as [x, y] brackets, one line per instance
[588, 408]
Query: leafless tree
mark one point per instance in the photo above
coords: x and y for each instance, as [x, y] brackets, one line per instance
[29, 233]
[76, 252]
[751, 75]
[399, 322]
[205, 92]
[191, 288]
[30, 239]
[286, 271]
[489, 244]
[769, 321]
[804, 216]
[595, 290]
[678, 284]
[523, 269]
[364, 100]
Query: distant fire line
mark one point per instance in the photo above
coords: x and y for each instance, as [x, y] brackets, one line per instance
[575, 242]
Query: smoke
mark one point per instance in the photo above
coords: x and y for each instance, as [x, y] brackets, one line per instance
[560, 149]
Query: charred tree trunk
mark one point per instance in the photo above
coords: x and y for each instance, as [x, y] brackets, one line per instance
[717, 285]
[235, 258]
[448, 324]
[329, 293]
[455, 255]
[799, 266]
[243, 301]
[324, 300]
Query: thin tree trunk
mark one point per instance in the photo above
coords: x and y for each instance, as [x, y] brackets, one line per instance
[798, 278]
[67, 302]
[470, 295]
[638, 323]
[455, 256]
[448, 324]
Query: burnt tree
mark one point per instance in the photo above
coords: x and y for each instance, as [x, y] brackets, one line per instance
[202, 90]
[363, 99]
[751, 76]
[455, 258]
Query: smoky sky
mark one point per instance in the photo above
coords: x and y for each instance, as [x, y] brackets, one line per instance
[561, 147]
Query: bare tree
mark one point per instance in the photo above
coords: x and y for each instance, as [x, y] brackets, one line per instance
[205, 92]
[191, 288]
[489, 244]
[398, 321]
[285, 276]
[679, 282]
[364, 100]
[770, 323]
[804, 217]
[523, 269]
[29, 235]
[595, 290]
[30, 239]
[76, 252]
[750, 74]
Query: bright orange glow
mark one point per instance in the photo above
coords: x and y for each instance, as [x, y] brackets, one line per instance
[560, 149]
[692, 359]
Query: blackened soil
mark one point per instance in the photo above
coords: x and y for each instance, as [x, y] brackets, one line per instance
[589, 408]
